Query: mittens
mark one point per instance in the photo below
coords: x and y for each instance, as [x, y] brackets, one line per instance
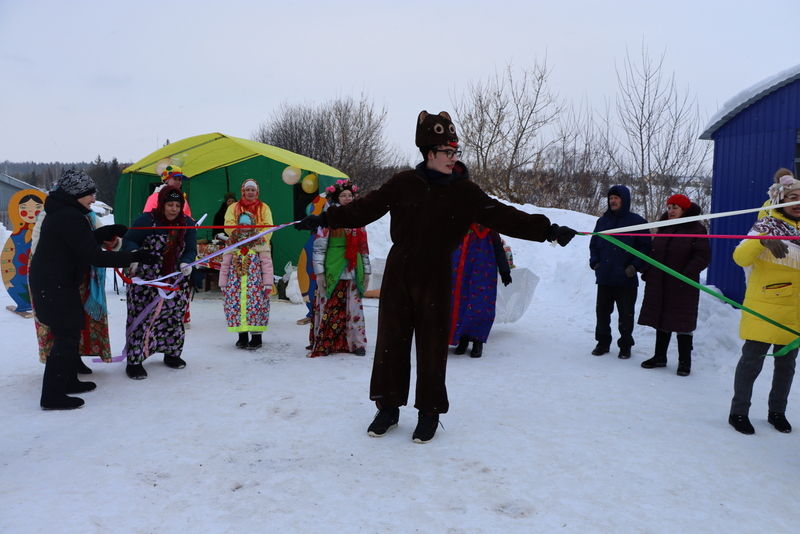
[560, 234]
[778, 248]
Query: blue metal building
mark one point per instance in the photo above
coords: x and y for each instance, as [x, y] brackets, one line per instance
[755, 133]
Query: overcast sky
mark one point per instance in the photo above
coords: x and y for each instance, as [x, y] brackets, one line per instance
[116, 79]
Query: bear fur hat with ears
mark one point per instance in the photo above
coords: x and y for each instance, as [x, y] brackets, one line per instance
[435, 130]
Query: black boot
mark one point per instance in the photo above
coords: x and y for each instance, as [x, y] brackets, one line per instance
[461, 348]
[385, 420]
[59, 370]
[684, 354]
[426, 427]
[76, 386]
[778, 420]
[135, 371]
[659, 359]
[255, 342]
[600, 349]
[477, 349]
[242, 342]
[54, 389]
[741, 423]
[175, 362]
[82, 368]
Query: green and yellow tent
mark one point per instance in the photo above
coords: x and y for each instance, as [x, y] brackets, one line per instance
[214, 164]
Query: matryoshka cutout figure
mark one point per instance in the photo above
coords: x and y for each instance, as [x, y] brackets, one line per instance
[23, 209]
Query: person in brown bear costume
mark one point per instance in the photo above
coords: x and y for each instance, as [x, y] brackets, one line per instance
[432, 207]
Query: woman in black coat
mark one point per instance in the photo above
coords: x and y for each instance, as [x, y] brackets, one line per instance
[67, 247]
[670, 305]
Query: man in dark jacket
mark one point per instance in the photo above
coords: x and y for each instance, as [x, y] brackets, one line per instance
[432, 207]
[66, 248]
[615, 272]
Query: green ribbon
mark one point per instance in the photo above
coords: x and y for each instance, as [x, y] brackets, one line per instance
[787, 348]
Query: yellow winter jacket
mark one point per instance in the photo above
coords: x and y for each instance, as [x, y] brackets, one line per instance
[772, 290]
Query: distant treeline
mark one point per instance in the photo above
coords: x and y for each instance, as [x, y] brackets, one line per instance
[43, 175]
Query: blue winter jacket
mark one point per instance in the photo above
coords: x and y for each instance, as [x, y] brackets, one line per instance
[609, 260]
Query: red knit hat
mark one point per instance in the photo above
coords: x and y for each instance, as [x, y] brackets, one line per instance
[680, 200]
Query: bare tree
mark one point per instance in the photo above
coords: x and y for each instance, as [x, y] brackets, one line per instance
[347, 134]
[576, 171]
[652, 134]
[501, 121]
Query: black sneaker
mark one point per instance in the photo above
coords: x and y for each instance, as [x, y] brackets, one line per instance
[654, 362]
[741, 423]
[624, 353]
[385, 420]
[136, 371]
[175, 362]
[684, 369]
[76, 386]
[600, 349]
[778, 420]
[426, 428]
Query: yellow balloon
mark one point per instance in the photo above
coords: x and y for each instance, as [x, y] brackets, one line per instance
[290, 175]
[310, 183]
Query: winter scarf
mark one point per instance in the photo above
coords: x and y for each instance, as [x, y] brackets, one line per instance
[778, 226]
[95, 304]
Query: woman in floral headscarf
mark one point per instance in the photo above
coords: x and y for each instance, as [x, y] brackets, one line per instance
[772, 269]
[245, 275]
[155, 323]
[341, 265]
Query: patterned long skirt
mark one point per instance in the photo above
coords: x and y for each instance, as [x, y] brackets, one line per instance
[159, 320]
[338, 321]
[245, 300]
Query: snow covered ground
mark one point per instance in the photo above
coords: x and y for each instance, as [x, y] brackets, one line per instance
[541, 436]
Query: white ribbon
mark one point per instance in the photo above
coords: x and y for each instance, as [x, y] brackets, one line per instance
[681, 220]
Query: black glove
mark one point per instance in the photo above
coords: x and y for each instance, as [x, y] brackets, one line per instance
[630, 271]
[778, 248]
[146, 257]
[109, 232]
[560, 234]
[505, 278]
[312, 222]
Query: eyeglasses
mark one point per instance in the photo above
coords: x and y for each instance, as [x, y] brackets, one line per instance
[448, 152]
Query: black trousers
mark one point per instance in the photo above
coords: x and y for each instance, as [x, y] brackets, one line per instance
[625, 299]
[417, 309]
[749, 367]
[61, 366]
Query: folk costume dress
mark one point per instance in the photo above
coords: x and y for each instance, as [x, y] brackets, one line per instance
[245, 278]
[341, 256]
[475, 265]
[155, 323]
[246, 275]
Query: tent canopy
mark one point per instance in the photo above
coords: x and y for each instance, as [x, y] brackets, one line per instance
[207, 152]
[215, 164]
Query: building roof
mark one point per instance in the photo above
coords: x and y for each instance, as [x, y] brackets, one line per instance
[15, 183]
[749, 96]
